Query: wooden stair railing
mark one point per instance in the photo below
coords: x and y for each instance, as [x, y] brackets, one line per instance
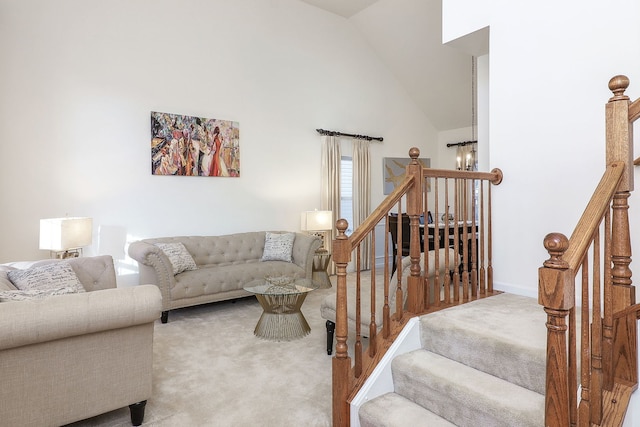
[425, 190]
[606, 347]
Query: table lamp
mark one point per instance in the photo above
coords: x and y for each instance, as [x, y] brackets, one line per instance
[317, 223]
[65, 237]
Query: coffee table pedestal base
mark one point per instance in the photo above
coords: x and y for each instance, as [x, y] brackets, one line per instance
[281, 319]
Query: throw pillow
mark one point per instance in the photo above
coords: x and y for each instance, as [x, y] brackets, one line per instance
[181, 259]
[6, 296]
[50, 276]
[278, 247]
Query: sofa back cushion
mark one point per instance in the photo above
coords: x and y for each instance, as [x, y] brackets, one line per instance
[95, 272]
[5, 283]
[236, 248]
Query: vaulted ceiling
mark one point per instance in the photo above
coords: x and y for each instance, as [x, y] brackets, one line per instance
[346, 8]
[407, 36]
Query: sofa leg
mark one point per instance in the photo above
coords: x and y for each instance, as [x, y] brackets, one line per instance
[165, 317]
[137, 412]
[331, 328]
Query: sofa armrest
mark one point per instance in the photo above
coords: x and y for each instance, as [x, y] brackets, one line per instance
[35, 321]
[154, 268]
[304, 249]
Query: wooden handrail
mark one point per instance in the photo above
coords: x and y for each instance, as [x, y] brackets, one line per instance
[592, 215]
[495, 176]
[374, 218]
[634, 110]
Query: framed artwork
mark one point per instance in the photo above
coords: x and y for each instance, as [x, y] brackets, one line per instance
[194, 146]
[394, 170]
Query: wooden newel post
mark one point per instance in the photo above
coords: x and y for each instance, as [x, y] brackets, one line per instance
[557, 295]
[341, 377]
[415, 283]
[620, 148]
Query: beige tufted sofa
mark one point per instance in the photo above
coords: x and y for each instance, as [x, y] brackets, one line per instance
[224, 265]
[70, 357]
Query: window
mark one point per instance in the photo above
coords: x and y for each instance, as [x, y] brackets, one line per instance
[346, 192]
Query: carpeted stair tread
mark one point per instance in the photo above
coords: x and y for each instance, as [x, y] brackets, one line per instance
[393, 410]
[463, 395]
[503, 335]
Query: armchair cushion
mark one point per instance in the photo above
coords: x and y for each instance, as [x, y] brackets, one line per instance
[328, 306]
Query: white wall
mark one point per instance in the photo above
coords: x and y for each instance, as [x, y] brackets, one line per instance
[79, 78]
[550, 63]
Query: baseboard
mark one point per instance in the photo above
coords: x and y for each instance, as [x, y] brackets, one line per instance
[531, 292]
[381, 381]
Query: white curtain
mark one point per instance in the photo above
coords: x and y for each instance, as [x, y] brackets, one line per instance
[362, 195]
[331, 186]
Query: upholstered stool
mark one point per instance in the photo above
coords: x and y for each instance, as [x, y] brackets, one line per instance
[328, 306]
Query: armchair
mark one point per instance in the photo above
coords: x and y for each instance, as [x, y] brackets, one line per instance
[70, 357]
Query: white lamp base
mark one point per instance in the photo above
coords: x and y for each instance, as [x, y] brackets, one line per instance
[69, 253]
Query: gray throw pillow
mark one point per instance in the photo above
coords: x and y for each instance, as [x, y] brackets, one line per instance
[50, 276]
[181, 259]
[278, 247]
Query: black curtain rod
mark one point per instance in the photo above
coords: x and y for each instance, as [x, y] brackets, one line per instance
[334, 133]
[462, 144]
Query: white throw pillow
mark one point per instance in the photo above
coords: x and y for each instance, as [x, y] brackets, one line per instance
[278, 247]
[50, 276]
[6, 296]
[181, 259]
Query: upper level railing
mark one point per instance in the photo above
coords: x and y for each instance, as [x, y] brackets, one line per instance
[446, 262]
[590, 306]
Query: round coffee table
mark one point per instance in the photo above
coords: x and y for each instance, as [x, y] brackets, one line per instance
[281, 318]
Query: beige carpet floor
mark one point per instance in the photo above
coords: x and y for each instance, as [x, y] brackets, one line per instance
[210, 370]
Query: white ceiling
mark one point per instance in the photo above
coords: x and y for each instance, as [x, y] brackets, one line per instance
[407, 36]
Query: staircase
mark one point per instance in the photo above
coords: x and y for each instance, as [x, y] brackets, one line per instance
[480, 364]
[477, 357]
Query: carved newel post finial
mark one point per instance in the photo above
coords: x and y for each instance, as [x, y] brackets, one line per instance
[556, 245]
[342, 226]
[414, 153]
[618, 85]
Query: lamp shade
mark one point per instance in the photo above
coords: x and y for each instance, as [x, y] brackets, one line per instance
[316, 221]
[61, 234]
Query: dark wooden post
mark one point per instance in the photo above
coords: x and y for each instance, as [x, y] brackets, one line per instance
[557, 295]
[415, 283]
[341, 367]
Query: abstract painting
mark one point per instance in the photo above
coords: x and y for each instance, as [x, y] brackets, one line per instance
[194, 146]
[394, 171]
